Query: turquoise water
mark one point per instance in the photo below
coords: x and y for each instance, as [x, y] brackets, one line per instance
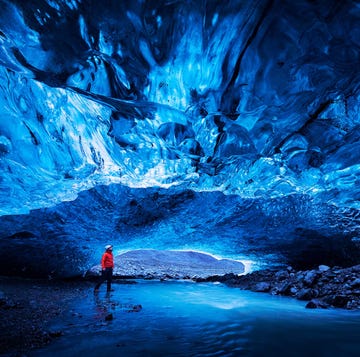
[189, 319]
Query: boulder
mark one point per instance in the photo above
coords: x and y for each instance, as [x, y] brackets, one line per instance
[262, 287]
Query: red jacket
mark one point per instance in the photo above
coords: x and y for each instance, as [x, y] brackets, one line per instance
[107, 260]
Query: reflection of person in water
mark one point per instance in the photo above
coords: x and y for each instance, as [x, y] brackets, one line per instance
[104, 307]
[107, 266]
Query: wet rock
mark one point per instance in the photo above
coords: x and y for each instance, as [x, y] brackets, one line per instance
[310, 277]
[311, 305]
[285, 289]
[336, 287]
[109, 317]
[323, 268]
[355, 283]
[262, 287]
[356, 268]
[339, 300]
[314, 304]
[352, 305]
[299, 277]
[137, 308]
[282, 275]
[305, 294]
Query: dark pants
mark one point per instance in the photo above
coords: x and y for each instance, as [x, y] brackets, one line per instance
[105, 275]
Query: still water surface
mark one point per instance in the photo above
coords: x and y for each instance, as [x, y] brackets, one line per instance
[189, 319]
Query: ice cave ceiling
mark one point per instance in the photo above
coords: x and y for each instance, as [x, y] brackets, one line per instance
[226, 126]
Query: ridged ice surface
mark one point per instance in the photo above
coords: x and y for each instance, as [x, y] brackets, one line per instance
[257, 99]
[248, 97]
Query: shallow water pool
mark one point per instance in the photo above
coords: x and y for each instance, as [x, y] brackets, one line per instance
[192, 319]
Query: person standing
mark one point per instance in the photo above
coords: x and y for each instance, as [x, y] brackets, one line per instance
[107, 266]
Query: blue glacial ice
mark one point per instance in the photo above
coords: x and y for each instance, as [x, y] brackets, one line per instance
[253, 107]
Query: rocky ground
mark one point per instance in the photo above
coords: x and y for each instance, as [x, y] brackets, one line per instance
[28, 306]
[323, 287]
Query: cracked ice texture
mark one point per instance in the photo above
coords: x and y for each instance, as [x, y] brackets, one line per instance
[257, 99]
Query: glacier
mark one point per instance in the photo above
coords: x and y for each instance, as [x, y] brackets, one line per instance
[225, 127]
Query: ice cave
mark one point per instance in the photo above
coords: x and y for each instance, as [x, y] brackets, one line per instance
[230, 128]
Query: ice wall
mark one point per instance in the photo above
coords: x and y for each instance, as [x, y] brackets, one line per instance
[256, 99]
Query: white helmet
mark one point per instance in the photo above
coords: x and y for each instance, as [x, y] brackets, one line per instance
[109, 246]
